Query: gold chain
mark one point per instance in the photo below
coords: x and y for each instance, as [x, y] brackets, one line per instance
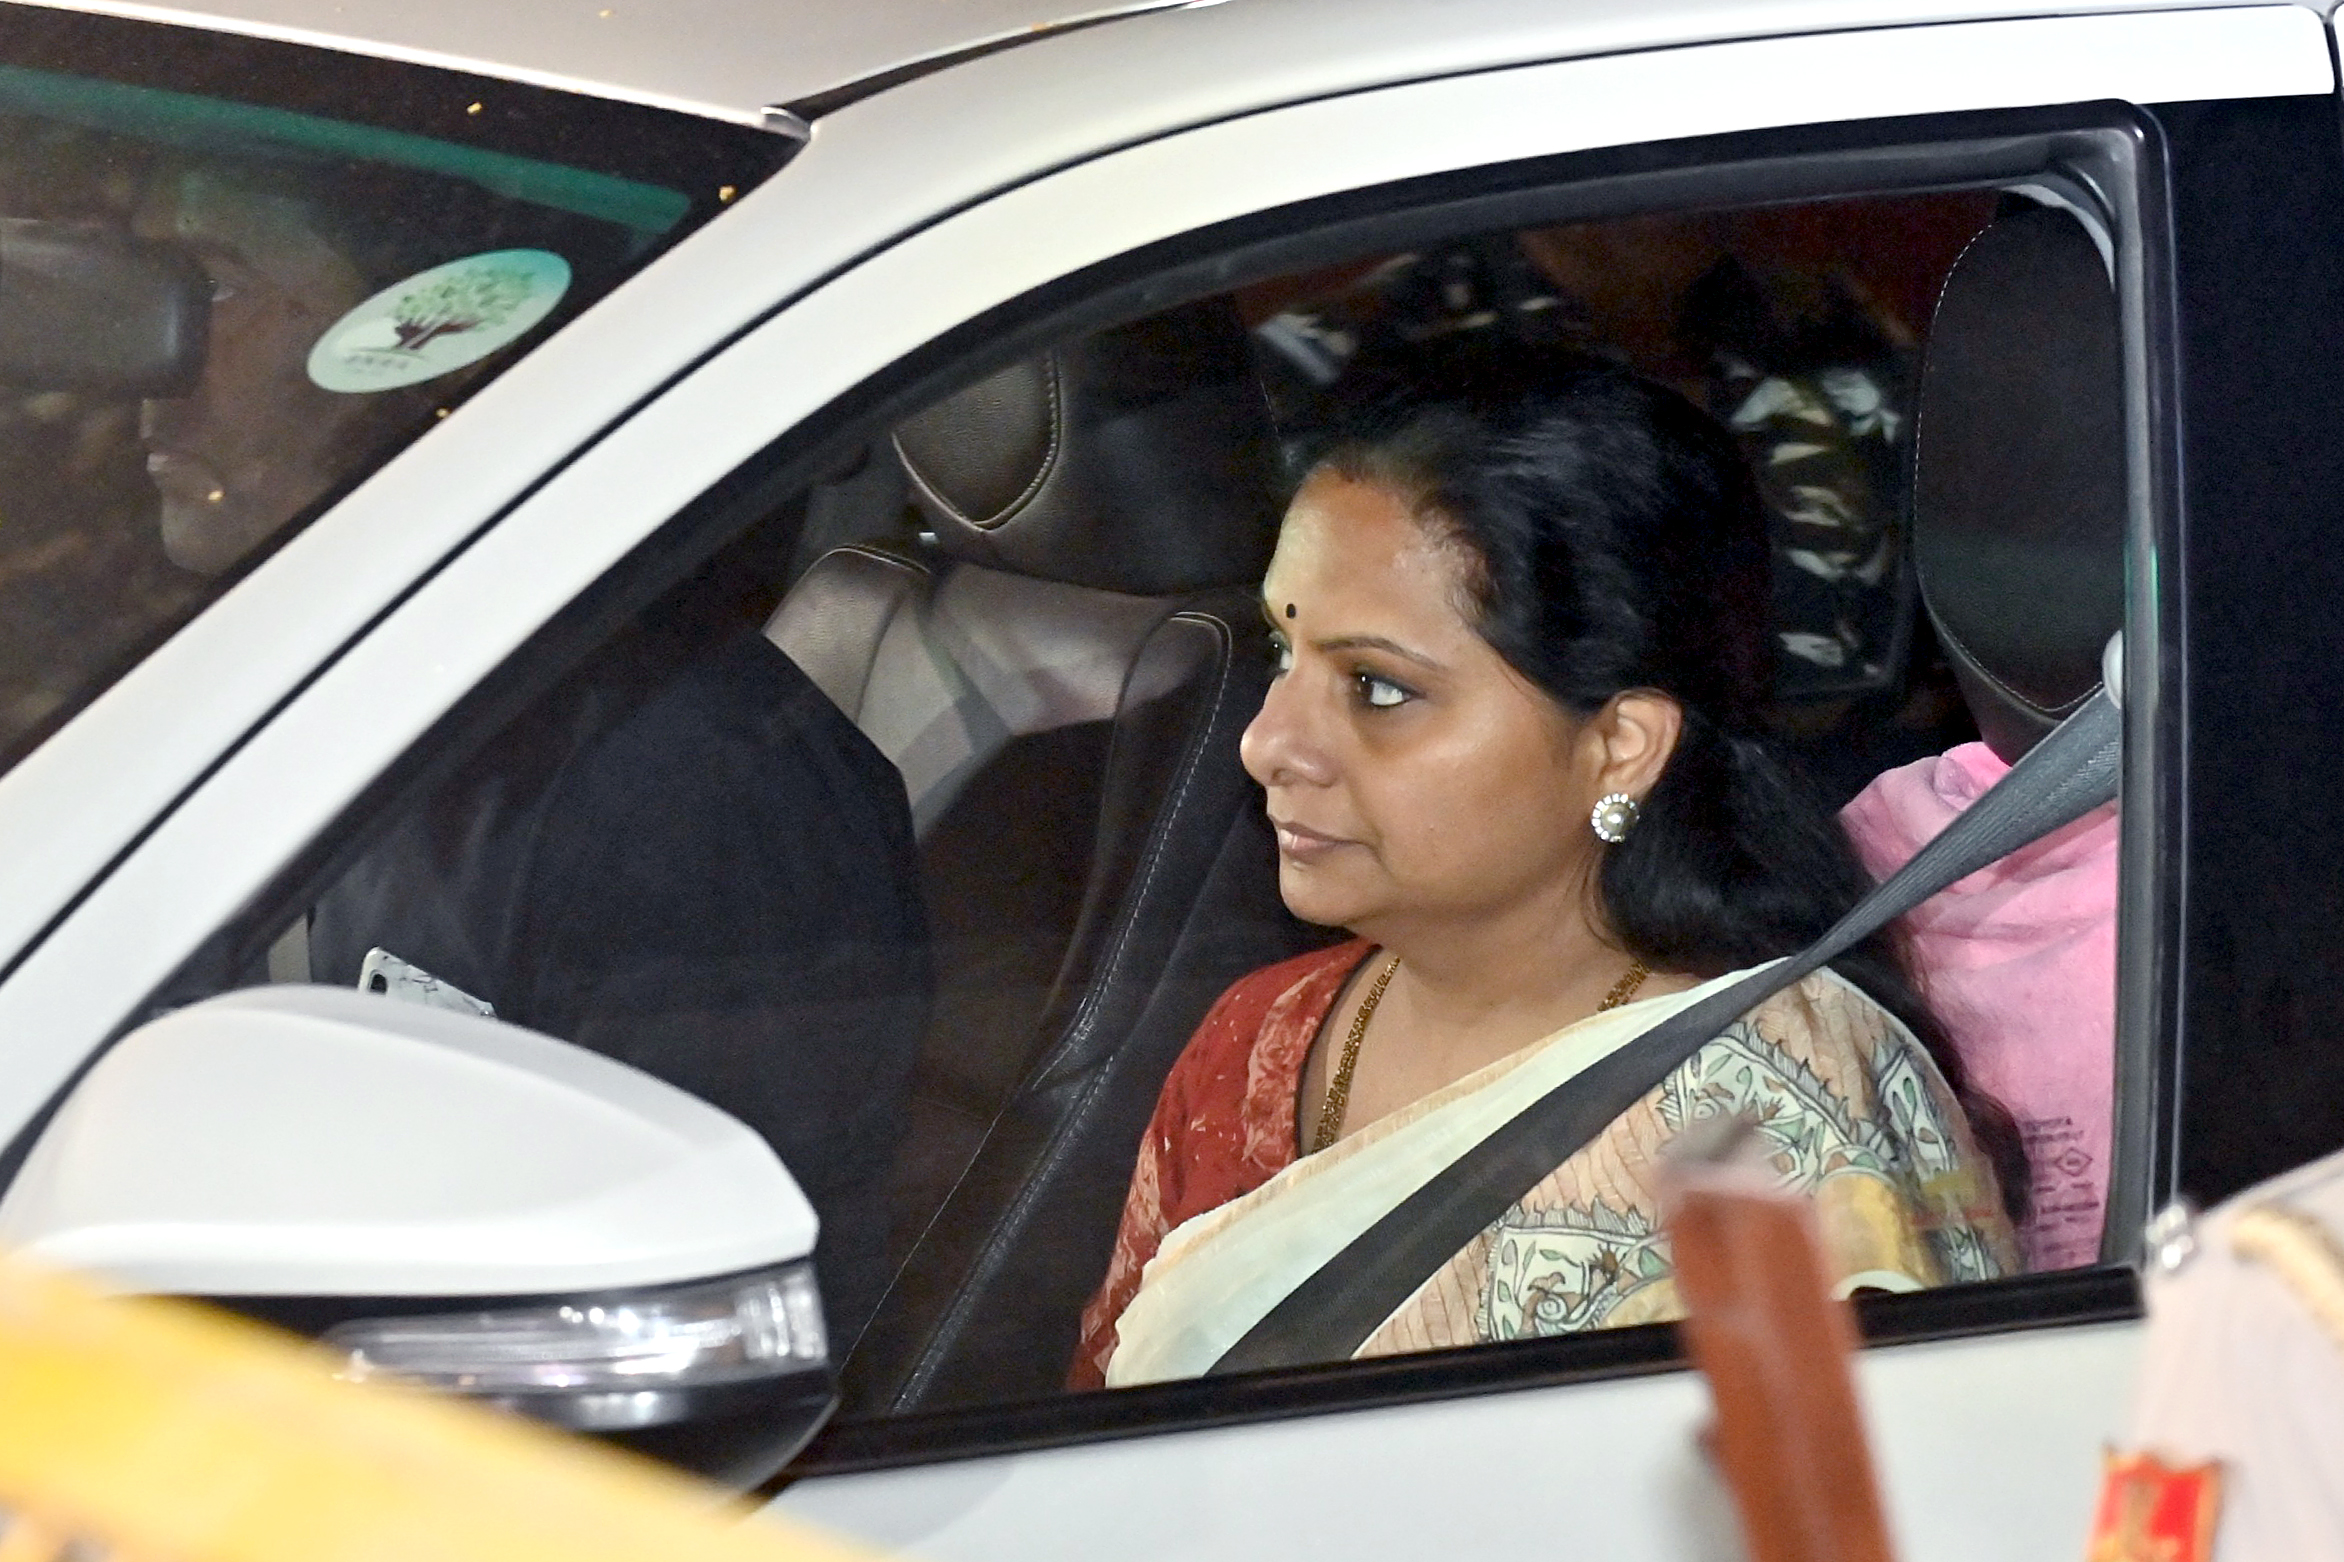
[1331, 1110]
[1625, 988]
[1338, 1101]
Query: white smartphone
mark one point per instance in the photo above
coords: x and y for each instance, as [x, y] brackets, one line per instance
[385, 973]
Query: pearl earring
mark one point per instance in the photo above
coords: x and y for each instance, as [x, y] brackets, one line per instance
[1614, 816]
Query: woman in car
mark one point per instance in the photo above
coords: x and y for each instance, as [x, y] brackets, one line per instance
[1513, 748]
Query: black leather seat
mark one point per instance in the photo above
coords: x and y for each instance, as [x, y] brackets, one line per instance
[1061, 670]
[2020, 499]
[2019, 487]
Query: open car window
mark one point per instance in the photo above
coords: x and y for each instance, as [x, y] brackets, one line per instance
[912, 830]
[243, 275]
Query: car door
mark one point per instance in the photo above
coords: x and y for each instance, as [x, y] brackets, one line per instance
[1008, 254]
[2014, 1412]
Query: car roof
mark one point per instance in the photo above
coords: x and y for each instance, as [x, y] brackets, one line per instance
[734, 59]
[727, 59]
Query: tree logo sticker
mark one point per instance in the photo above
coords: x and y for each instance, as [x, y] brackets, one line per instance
[439, 320]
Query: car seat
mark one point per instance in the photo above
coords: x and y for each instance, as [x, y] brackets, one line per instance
[1060, 668]
[2019, 494]
[2019, 516]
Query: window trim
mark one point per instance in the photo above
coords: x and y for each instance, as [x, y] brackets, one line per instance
[2068, 1299]
[2113, 154]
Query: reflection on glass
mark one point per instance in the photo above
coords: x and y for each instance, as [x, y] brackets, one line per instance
[358, 282]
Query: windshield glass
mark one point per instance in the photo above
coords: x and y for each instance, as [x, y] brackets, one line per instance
[237, 276]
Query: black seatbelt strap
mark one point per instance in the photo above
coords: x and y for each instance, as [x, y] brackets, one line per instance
[1326, 1318]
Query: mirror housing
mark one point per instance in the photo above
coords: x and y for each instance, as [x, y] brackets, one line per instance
[451, 1200]
[88, 307]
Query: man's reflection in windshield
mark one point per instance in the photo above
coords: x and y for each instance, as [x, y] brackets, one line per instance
[257, 441]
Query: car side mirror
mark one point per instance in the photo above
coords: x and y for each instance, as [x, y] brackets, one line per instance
[449, 1200]
[84, 306]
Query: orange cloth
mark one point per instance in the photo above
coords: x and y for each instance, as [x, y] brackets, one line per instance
[1223, 1126]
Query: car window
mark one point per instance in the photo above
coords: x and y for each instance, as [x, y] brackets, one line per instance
[241, 279]
[919, 829]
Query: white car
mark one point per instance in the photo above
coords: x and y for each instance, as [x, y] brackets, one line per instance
[376, 373]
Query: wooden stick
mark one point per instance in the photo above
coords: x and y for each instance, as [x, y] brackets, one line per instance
[1763, 1326]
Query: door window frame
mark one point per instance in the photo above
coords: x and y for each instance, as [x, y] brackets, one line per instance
[2104, 157]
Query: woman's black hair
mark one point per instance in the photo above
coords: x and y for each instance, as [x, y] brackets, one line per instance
[1614, 539]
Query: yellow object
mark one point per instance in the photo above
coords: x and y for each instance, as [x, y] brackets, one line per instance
[162, 1432]
[2304, 1255]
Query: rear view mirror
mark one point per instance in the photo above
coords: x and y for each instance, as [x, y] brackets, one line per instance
[451, 1201]
[88, 307]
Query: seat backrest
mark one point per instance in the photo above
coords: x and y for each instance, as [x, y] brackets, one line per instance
[943, 664]
[2019, 488]
[1060, 671]
[2019, 520]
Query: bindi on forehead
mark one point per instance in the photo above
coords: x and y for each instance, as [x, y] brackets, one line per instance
[1289, 610]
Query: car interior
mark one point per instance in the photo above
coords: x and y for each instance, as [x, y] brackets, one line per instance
[1060, 661]
[1038, 599]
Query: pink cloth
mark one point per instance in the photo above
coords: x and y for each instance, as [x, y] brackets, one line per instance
[2019, 964]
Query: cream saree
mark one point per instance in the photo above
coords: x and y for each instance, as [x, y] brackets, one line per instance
[1850, 1108]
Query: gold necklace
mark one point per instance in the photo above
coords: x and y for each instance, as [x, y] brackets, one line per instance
[1330, 1123]
[1625, 988]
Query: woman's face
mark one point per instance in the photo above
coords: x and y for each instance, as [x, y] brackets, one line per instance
[1413, 776]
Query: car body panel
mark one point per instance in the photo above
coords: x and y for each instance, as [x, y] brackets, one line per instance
[731, 59]
[255, 647]
[721, 59]
[1986, 1448]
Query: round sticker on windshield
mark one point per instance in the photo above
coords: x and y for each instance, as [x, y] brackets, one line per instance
[439, 320]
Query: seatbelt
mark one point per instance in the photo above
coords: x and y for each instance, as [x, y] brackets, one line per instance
[1330, 1314]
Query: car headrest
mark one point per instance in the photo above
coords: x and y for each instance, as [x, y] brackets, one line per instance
[2019, 474]
[1140, 459]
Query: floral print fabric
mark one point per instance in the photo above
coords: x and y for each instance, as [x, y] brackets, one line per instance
[1848, 1105]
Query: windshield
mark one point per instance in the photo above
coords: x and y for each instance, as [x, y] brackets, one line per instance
[237, 276]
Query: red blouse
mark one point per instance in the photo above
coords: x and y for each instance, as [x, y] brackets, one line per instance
[1223, 1126]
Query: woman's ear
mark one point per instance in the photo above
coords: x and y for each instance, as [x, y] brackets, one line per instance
[1638, 730]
